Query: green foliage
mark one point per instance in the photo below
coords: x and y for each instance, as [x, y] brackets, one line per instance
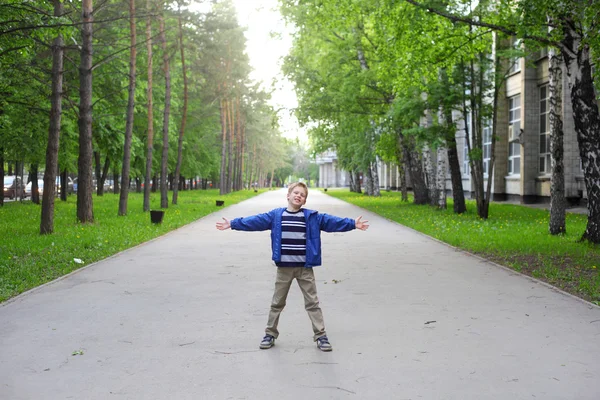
[515, 235]
[28, 260]
[209, 39]
[366, 67]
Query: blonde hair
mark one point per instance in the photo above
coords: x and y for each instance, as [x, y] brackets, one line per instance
[295, 185]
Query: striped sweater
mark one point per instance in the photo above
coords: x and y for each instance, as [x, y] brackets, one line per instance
[293, 239]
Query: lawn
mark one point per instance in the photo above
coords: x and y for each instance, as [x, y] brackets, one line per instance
[28, 259]
[515, 236]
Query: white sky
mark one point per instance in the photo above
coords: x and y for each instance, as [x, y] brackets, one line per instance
[269, 41]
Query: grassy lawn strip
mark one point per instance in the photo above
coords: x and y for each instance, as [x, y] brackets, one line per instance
[28, 259]
[515, 236]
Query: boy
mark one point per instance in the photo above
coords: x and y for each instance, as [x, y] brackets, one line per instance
[296, 247]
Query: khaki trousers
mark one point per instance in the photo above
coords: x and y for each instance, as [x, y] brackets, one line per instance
[306, 281]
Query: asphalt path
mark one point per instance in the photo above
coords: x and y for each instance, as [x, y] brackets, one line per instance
[181, 317]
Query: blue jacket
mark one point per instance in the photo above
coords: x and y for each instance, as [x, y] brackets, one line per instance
[315, 223]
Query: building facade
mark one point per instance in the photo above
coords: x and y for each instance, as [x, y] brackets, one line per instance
[522, 169]
[329, 173]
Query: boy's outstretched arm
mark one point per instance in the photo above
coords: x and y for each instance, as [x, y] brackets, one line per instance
[362, 225]
[223, 225]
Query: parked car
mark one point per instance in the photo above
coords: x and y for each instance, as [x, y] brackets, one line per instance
[70, 185]
[13, 187]
[76, 184]
[40, 188]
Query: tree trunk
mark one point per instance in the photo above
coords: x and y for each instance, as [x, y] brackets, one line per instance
[476, 127]
[449, 129]
[429, 175]
[47, 219]
[587, 124]
[401, 166]
[357, 180]
[103, 176]
[492, 162]
[116, 186]
[403, 185]
[375, 178]
[251, 163]
[98, 173]
[241, 155]
[271, 181]
[164, 192]
[35, 194]
[130, 111]
[64, 185]
[183, 114]
[558, 204]
[441, 177]
[413, 163]
[230, 119]
[222, 179]
[368, 181]
[235, 130]
[473, 139]
[458, 193]
[150, 143]
[85, 210]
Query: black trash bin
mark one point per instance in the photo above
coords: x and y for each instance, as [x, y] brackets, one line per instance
[156, 216]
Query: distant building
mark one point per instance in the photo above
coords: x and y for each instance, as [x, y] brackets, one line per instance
[522, 170]
[329, 173]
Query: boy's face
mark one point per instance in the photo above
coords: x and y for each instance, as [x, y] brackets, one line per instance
[296, 198]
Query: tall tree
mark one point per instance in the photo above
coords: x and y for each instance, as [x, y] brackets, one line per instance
[85, 212]
[164, 199]
[575, 33]
[150, 128]
[183, 113]
[557, 223]
[130, 110]
[47, 219]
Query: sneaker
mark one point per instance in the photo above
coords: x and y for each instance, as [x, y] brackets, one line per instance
[267, 342]
[323, 344]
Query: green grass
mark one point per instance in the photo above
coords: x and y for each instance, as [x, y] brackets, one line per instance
[28, 259]
[513, 235]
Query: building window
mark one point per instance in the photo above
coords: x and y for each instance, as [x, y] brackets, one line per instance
[514, 126]
[544, 131]
[466, 168]
[487, 147]
[515, 62]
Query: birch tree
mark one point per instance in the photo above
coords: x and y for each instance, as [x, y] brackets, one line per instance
[575, 34]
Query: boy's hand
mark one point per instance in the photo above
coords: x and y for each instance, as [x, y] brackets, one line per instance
[362, 225]
[223, 225]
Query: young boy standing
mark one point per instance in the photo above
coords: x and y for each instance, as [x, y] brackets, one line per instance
[296, 248]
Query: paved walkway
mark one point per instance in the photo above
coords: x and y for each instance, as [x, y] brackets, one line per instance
[409, 318]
